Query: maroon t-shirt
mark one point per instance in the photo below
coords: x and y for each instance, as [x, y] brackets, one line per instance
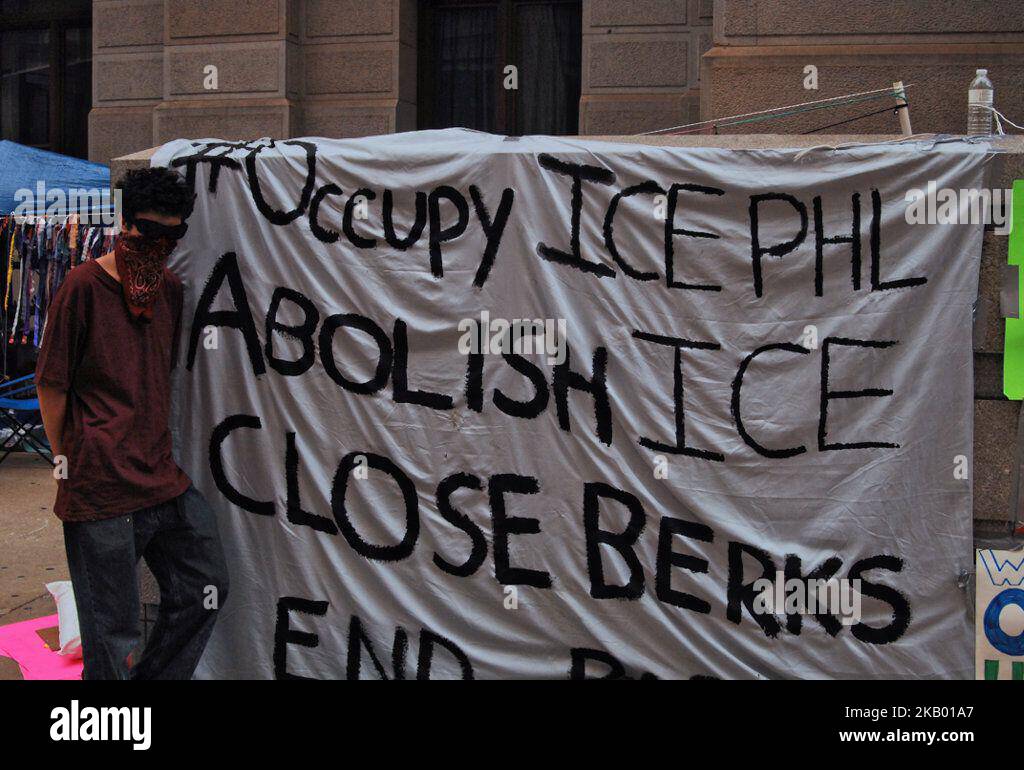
[117, 374]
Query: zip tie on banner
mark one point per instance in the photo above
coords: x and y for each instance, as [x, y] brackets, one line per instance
[848, 145]
[918, 138]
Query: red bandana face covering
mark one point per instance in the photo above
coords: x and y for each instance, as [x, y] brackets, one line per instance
[140, 264]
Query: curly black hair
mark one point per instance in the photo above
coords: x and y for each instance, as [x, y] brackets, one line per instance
[156, 189]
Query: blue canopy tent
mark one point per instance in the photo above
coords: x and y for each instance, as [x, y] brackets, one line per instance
[27, 168]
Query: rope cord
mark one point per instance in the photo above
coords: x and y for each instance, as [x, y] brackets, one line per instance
[893, 110]
[792, 109]
[999, 115]
[760, 118]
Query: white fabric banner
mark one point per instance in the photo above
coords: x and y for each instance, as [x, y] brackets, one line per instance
[738, 365]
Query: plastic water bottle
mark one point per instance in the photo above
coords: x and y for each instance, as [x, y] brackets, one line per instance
[979, 119]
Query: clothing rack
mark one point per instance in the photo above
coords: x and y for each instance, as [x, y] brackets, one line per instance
[36, 254]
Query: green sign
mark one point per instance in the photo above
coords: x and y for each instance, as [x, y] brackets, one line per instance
[1013, 345]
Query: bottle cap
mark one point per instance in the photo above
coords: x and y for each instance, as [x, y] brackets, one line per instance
[982, 72]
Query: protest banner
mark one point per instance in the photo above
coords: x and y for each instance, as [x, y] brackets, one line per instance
[722, 365]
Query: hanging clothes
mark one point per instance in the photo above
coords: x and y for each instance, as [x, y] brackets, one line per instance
[36, 255]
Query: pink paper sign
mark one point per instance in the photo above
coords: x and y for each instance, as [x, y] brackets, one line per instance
[20, 642]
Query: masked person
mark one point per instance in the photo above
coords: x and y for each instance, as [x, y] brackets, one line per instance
[103, 379]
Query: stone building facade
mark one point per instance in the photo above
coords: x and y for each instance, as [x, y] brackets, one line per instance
[283, 68]
[350, 67]
[762, 49]
[641, 64]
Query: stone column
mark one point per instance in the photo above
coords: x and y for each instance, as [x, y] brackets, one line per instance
[641, 64]
[127, 75]
[359, 67]
[253, 46]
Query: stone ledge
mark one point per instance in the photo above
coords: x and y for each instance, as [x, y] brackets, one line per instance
[229, 20]
[357, 117]
[232, 119]
[650, 112]
[789, 22]
[785, 52]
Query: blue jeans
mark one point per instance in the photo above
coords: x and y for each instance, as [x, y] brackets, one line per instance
[181, 546]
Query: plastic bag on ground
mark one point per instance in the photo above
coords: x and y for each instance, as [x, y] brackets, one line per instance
[67, 615]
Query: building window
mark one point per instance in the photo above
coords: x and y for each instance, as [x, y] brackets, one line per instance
[46, 74]
[465, 47]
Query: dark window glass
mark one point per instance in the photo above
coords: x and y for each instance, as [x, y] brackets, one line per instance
[25, 87]
[46, 73]
[465, 48]
[465, 40]
[77, 90]
[18, 6]
[548, 38]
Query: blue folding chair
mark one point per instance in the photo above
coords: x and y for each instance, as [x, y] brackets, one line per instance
[19, 413]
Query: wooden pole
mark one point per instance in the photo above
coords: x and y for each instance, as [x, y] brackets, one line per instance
[904, 110]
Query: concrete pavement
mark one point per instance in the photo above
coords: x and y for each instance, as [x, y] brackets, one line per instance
[31, 543]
